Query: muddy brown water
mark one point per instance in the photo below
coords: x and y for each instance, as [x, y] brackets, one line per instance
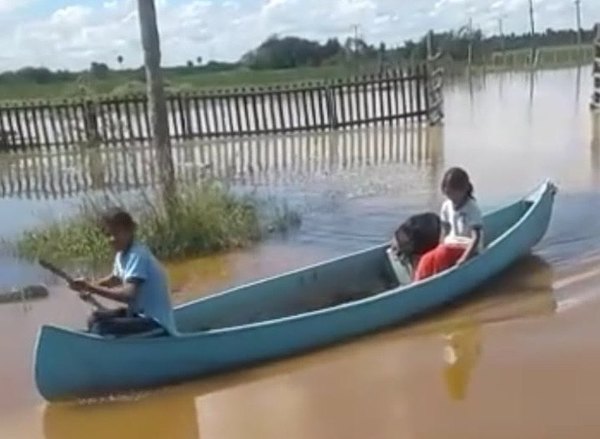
[519, 358]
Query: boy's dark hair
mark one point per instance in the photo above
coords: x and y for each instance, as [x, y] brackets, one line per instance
[423, 231]
[457, 178]
[117, 217]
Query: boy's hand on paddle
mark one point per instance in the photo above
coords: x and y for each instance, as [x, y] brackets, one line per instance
[80, 285]
[85, 296]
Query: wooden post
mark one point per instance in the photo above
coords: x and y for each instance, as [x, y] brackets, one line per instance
[205, 118]
[138, 110]
[42, 110]
[200, 131]
[156, 94]
[289, 104]
[255, 119]
[91, 122]
[11, 128]
[213, 114]
[263, 110]
[128, 101]
[389, 86]
[366, 106]
[297, 97]
[238, 111]
[397, 81]
[353, 98]
[246, 108]
[319, 98]
[331, 108]
[338, 98]
[381, 84]
[229, 101]
[304, 96]
[596, 70]
[271, 98]
[282, 126]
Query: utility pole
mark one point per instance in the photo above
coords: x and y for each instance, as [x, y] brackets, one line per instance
[355, 27]
[501, 32]
[532, 23]
[578, 9]
[470, 30]
[578, 12]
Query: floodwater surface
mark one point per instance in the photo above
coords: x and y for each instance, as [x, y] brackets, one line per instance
[519, 358]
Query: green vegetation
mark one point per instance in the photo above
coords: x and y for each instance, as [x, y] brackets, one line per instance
[199, 219]
[292, 59]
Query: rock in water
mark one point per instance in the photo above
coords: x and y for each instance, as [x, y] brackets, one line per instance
[26, 293]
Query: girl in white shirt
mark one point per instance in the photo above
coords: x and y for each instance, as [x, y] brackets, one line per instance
[462, 227]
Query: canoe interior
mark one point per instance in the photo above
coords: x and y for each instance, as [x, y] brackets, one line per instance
[329, 284]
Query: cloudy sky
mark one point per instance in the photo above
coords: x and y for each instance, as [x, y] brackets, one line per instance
[73, 33]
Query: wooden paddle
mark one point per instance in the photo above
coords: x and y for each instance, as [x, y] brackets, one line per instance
[67, 278]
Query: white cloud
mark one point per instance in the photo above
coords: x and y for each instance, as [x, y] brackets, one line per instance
[11, 5]
[78, 33]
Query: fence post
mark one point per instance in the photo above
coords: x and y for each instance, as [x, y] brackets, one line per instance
[434, 84]
[331, 107]
[90, 121]
[596, 70]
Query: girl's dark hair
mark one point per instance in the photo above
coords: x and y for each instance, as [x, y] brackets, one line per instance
[117, 217]
[457, 178]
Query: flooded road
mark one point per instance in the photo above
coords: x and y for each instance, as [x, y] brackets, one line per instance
[519, 359]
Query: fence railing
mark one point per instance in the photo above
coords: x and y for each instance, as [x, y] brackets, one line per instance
[393, 96]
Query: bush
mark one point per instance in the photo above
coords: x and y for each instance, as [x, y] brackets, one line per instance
[197, 220]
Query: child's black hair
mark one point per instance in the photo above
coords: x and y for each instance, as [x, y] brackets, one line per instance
[457, 178]
[117, 217]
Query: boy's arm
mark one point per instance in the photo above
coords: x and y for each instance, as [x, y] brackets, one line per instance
[123, 293]
[109, 281]
[134, 274]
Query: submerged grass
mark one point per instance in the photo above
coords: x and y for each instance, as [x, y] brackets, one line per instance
[197, 220]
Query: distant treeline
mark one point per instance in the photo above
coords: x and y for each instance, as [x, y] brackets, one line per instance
[293, 52]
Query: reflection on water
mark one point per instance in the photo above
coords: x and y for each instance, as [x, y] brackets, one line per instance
[258, 160]
[462, 350]
[143, 419]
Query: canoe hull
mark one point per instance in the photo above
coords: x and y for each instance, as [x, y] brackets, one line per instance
[70, 364]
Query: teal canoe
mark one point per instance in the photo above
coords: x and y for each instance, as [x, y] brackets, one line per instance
[280, 316]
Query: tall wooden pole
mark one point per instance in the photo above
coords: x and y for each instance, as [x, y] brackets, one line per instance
[578, 12]
[579, 39]
[596, 71]
[532, 24]
[156, 94]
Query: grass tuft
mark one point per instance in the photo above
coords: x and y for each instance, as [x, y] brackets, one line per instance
[198, 220]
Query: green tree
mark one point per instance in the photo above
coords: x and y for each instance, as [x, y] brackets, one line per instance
[99, 70]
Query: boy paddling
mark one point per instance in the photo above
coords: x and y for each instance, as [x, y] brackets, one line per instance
[137, 281]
